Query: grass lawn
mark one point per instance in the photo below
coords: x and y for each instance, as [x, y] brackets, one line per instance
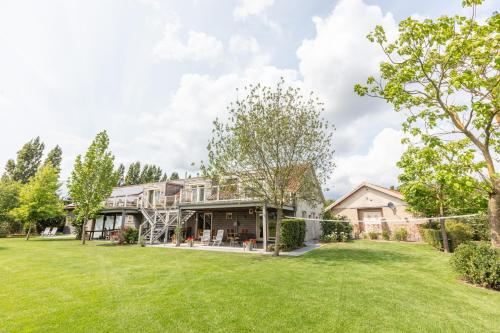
[59, 285]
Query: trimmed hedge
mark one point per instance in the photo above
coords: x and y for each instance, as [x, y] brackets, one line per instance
[335, 231]
[293, 233]
[4, 229]
[457, 233]
[130, 235]
[478, 264]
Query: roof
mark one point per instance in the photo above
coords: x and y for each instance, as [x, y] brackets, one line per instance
[388, 191]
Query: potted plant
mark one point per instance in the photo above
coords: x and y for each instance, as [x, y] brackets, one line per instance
[249, 244]
[190, 241]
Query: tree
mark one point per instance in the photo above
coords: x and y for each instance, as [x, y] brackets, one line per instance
[445, 73]
[39, 199]
[274, 143]
[9, 199]
[150, 173]
[164, 178]
[437, 181]
[27, 162]
[92, 181]
[54, 157]
[133, 174]
[174, 176]
[121, 175]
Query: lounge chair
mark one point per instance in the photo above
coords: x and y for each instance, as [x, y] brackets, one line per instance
[46, 232]
[52, 233]
[218, 239]
[205, 239]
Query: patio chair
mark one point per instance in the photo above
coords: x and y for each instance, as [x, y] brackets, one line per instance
[218, 239]
[46, 232]
[205, 239]
[52, 233]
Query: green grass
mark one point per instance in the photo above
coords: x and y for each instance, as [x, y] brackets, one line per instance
[59, 285]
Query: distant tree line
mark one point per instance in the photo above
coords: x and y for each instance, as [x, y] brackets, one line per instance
[149, 173]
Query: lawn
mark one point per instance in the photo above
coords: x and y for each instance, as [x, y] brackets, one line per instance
[363, 286]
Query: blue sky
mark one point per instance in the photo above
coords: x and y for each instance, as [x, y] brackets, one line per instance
[155, 74]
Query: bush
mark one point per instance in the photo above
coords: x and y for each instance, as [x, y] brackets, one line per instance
[386, 235]
[4, 229]
[335, 231]
[457, 233]
[478, 264]
[293, 232]
[130, 235]
[401, 235]
[373, 235]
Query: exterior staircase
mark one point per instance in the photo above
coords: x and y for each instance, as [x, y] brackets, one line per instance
[157, 222]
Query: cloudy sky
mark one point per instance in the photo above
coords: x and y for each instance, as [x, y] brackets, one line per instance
[155, 74]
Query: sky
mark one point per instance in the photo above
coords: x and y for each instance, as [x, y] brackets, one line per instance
[155, 74]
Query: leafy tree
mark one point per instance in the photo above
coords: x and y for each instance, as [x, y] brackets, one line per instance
[9, 199]
[275, 144]
[133, 174]
[174, 176]
[92, 181]
[150, 173]
[38, 199]
[54, 157]
[164, 178]
[445, 73]
[437, 181]
[121, 175]
[27, 162]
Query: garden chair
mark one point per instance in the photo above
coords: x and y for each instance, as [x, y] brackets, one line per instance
[46, 232]
[52, 233]
[218, 239]
[205, 239]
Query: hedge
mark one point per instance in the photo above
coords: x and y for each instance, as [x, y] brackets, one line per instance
[457, 233]
[335, 231]
[478, 264]
[293, 233]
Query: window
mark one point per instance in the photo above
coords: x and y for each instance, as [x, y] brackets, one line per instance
[201, 193]
[229, 216]
[304, 214]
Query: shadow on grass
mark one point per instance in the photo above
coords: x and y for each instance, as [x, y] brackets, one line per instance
[335, 256]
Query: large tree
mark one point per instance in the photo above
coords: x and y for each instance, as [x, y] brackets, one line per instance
[274, 142]
[9, 199]
[92, 181]
[39, 199]
[121, 175]
[437, 180]
[445, 74]
[54, 157]
[133, 174]
[27, 162]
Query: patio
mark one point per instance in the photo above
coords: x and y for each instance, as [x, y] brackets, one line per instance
[238, 249]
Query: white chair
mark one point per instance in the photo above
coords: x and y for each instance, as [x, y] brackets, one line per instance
[46, 232]
[205, 239]
[218, 239]
[52, 233]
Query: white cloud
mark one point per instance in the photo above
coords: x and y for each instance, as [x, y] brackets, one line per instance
[247, 8]
[239, 44]
[377, 166]
[199, 45]
[340, 56]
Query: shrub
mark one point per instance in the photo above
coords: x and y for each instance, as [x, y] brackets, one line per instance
[293, 232]
[386, 235]
[335, 231]
[4, 229]
[130, 235]
[401, 235]
[457, 233]
[478, 264]
[373, 235]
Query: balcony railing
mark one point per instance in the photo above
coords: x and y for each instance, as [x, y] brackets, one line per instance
[218, 194]
[121, 201]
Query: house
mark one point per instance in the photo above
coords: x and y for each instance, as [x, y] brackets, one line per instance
[195, 204]
[375, 208]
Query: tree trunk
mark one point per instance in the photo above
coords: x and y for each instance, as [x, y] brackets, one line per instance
[83, 231]
[442, 226]
[29, 232]
[494, 213]
[279, 216]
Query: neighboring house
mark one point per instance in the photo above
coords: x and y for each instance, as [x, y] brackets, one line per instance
[196, 204]
[371, 207]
